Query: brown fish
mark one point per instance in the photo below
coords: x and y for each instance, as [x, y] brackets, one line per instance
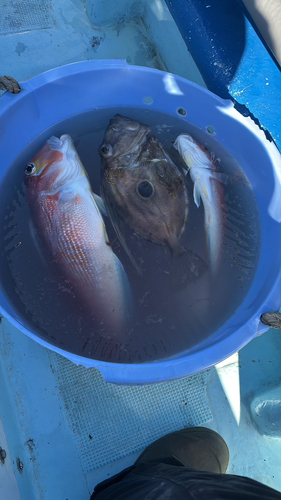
[143, 187]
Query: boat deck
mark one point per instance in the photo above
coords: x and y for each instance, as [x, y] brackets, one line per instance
[63, 428]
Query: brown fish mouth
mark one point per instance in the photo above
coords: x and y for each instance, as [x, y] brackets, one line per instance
[123, 137]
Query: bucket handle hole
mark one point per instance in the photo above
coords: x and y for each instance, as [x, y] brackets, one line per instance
[211, 129]
[181, 111]
[148, 100]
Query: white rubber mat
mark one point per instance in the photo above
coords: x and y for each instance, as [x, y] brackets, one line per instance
[110, 422]
[24, 15]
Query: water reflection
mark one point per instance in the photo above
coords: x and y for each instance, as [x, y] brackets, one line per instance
[171, 85]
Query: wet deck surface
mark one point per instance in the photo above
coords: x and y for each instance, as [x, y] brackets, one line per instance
[61, 421]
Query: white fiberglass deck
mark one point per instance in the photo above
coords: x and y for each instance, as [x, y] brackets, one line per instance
[60, 424]
[65, 429]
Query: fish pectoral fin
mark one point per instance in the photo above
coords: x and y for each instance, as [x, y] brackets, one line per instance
[197, 194]
[67, 202]
[126, 288]
[100, 203]
[117, 223]
[36, 241]
[186, 268]
[55, 232]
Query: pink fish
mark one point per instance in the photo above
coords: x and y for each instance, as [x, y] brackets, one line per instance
[68, 219]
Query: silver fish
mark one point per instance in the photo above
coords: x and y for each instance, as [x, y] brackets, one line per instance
[65, 213]
[207, 188]
[143, 187]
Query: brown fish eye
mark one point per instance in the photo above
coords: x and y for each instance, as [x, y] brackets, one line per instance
[145, 189]
[106, 150]
[30, 169]
[133, 126]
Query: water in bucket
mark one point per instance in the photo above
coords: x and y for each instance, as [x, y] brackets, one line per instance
[165, 321]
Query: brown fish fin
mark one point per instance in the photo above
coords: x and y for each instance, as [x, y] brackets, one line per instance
[181, 166]
[116, 222]
[176, 159]
[186, 268]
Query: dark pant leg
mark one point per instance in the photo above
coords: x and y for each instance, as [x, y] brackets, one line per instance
[173, 481]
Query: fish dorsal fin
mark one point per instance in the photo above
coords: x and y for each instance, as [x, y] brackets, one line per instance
[117, 225]
[181, 166]
[176, 159]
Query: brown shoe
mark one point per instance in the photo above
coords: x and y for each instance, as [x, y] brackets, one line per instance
[195, 447]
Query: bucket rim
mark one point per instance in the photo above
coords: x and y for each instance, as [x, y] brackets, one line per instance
[183, 364]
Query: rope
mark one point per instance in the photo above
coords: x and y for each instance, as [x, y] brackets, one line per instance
[7, 83]
[271, 319]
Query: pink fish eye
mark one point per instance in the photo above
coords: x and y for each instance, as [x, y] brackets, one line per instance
[106, 150]
[30, 169]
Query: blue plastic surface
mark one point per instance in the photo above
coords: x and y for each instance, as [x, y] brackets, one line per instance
[214, 32]
[232, 57]
[76, 88]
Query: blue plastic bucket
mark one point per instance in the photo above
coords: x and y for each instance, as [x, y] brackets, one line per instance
[76, 88]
